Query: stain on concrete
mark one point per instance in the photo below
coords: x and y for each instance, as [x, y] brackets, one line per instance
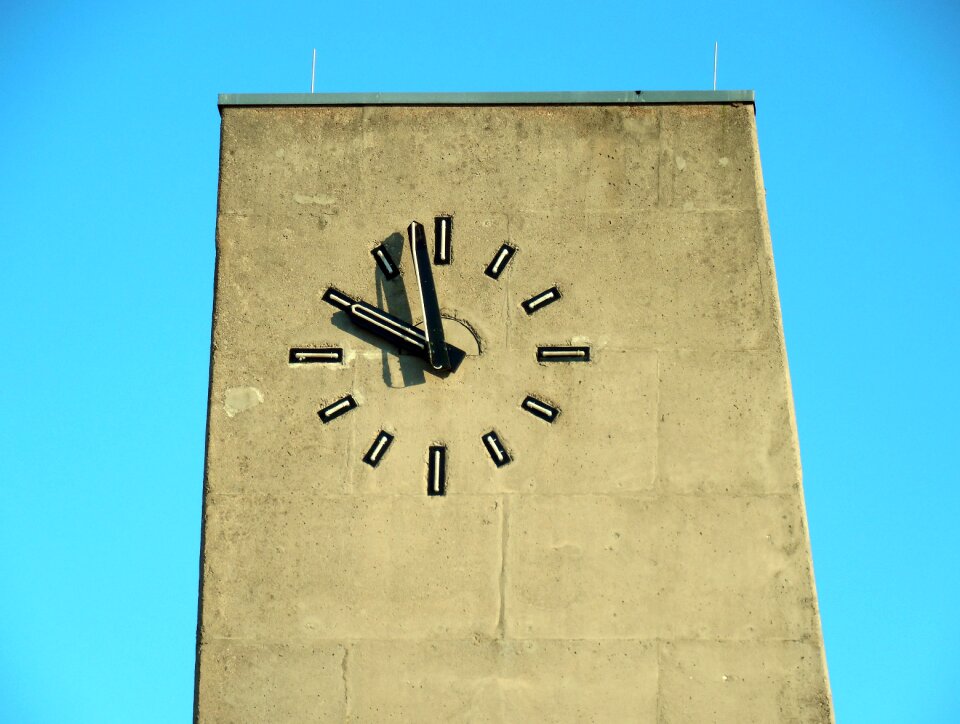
[241, 399]
[319, 199]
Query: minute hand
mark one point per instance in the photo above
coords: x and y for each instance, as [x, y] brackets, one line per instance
[439, 359]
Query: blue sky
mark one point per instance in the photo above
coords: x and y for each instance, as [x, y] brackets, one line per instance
[108, 177]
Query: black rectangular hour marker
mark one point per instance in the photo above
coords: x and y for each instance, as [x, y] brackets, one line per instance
[335, 409]
[442, 239]
[437, 470]
[498, 453]
[378, 449]
[316, 355]
[337, 299]
[563, 354]
[387, 265]
[539, 408]
[539, 301]
[499, 262]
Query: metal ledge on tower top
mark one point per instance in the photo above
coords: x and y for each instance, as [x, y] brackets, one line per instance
[539, 98]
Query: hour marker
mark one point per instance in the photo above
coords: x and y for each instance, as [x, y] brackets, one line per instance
[387, 265]
[437, 470]
[337, 299]
[335, 409]
[497, 452]
[442, 239]
[539, 408]
[563, 354]
[378, 449]
[321, 355]
[539, 301]
[499, 262]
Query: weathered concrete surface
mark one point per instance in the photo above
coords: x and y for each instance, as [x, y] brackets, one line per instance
[390, 566]
[503, 680]
[644, 558]
[733, 682]
[670, 567]
[265, 682]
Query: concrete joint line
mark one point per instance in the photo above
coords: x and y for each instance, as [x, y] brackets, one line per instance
[504, 535]
[344, 665]
[659, 677]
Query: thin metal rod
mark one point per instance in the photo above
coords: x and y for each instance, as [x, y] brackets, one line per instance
[313, 72]
[715, 47]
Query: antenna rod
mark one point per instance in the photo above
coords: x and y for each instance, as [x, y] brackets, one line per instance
[715, 47]
[313, 72]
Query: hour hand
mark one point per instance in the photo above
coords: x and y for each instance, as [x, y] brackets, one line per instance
[388, 327]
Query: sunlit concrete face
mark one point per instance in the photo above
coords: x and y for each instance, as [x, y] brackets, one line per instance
[643, 557]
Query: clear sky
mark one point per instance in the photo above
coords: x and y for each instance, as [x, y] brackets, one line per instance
[108, 178]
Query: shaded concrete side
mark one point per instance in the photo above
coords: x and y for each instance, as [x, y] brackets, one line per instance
[825, 695]
[643, 558]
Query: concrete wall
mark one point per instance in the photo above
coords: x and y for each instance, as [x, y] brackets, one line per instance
[644, 558]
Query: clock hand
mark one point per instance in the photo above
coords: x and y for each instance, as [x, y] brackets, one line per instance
[437, 349]
[380, 323]
[388, 327]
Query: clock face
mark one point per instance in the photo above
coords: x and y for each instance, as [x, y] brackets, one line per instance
[545, 273]
[441, 358]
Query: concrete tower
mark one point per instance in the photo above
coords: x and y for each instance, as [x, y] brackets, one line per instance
[500, 423]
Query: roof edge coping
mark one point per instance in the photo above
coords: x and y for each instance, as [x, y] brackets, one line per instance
[540, 98]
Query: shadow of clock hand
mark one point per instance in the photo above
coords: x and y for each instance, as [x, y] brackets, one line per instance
[392, 297]
[412, 367]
